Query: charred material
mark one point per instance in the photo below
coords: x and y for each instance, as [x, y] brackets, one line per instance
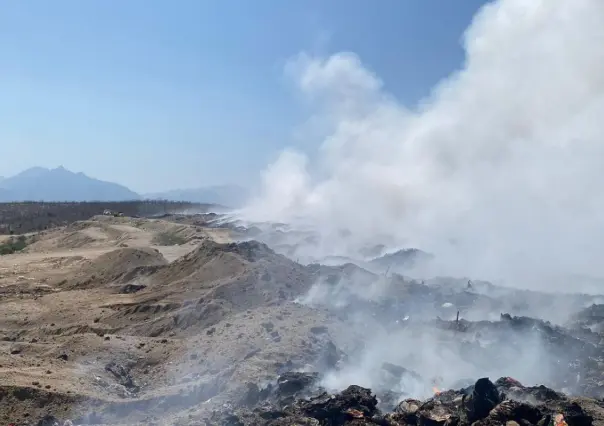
[123, 376]
[505, 402]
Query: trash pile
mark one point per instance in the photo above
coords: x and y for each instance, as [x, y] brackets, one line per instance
[295, 400]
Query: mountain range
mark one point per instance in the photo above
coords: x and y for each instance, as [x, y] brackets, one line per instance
[60, 184]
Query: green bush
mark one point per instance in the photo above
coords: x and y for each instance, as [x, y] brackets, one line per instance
[13, 245]
[168, 239]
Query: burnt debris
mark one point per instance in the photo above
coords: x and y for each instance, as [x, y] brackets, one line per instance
[123, 377]
[505, 402]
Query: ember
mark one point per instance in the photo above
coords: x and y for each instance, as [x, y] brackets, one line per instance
[559, 420]
[359, 414]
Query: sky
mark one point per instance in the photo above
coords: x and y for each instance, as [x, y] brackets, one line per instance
[495, 173]
[159, 95]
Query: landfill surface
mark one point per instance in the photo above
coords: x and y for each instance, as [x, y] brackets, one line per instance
[201, 320]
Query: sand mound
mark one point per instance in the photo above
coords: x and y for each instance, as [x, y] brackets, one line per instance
[84, 234]
[78, 239]
[213, 282]
[247, 269]
[211, 261]
[119, 265]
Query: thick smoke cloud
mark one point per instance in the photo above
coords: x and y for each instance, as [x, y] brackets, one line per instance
[497, 173]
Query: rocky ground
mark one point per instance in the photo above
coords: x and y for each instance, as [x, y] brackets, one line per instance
[170, 321]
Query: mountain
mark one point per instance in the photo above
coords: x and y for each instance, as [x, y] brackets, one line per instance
[60, 184]
[5, 195]
[224, 195]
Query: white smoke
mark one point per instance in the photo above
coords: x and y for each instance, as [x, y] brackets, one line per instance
[497, 173]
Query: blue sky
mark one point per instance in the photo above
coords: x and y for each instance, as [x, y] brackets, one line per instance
[171, 94]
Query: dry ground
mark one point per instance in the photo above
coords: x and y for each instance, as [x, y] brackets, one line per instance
[180, 324]
[41, 320]
[61, 251]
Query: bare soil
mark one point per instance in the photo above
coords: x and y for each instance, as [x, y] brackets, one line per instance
[99, 320]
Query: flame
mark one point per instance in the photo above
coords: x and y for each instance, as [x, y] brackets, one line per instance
[559, 420]
[355, 413]
[436, 390]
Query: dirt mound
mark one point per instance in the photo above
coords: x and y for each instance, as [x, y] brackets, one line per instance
[102, 232]
[75, 240]
[119, 265]
[213, 282]
[58, 240]
[83, 234]
[213, 266]
[208, 251]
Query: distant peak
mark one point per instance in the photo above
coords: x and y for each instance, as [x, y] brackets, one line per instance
[35, 169]
[61, 184]
[33, 172]
[61, 169]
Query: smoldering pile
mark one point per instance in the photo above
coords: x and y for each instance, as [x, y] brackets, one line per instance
[301, 398]
[490, 328]
[505, 402]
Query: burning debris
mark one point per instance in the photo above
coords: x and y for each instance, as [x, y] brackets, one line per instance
[505, 402]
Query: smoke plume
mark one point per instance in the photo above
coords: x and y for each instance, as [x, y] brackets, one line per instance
[496, 173]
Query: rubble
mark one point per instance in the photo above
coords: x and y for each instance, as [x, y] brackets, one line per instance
[123, 376]
[505, 402]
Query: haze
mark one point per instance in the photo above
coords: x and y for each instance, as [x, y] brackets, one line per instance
[159, 95]
[372, 119]
[496, 173]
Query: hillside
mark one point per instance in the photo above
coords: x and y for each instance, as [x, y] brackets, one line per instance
[60, 184]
